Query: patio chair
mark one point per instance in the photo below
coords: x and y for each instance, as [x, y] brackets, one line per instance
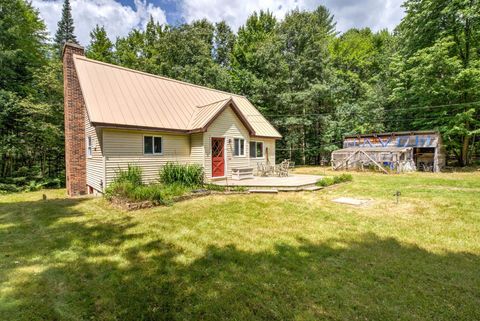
[282, 168]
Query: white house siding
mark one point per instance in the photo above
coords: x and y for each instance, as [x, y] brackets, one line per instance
[229, 126]
[124, 147]
[95, 163]
[197, 153]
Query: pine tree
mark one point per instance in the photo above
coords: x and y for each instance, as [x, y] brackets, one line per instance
[100, 48]
[65, 32]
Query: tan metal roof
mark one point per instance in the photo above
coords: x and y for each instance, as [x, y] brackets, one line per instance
[119, 96]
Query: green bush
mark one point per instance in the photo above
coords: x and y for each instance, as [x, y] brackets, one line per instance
[133, 174]
[188, 175]
[8, 188]
[332, 180]
[128, 185]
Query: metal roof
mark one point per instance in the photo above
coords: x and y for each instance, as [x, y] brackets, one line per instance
[415, 132]
[373, 149]
[121, 97]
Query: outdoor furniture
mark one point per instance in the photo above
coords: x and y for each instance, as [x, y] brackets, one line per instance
[242, 173]
[279, 170]
[282, 168]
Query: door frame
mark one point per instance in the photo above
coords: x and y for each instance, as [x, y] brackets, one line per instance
[224, 157]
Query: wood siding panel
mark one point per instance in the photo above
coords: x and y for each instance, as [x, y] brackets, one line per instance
[124, 147]
[197, 152]
[95, 164]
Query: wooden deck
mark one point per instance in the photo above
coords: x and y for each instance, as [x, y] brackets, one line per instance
[294, 182]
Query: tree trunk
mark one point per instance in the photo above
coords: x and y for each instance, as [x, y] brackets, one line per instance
[464, 151]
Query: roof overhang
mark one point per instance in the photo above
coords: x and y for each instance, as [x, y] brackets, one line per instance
[403, 133]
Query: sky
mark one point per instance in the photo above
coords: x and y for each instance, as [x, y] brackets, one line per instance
[120, 16]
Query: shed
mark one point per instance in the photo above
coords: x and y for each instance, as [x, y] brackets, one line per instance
[428, 153]
[398, 159]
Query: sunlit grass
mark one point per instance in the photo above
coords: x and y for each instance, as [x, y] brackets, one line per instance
[291, 256]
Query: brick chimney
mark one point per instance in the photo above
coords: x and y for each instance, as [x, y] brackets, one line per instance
[74, 108]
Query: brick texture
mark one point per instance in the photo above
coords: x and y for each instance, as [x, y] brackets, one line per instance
[74, 108]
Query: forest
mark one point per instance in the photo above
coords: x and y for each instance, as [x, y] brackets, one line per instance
[314, 83]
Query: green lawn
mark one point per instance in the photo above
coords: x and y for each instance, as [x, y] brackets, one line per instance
[291, 256]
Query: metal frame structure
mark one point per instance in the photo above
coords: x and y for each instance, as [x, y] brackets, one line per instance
[428, 150]
[385, 159]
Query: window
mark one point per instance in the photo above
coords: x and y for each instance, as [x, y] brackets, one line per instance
[256, 149]
[152, 145]
[238, 147]
[89, 146]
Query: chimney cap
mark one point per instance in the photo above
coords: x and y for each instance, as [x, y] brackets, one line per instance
[71, 44]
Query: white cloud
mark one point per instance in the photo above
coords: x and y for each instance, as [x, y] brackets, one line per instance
[377, 14]
[117, 19]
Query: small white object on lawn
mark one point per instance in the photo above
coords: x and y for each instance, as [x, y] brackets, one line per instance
[350, 201]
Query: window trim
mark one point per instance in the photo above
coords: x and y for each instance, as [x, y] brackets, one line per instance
[89, 146]
[153, 145]
[263, 149]
[244, 147]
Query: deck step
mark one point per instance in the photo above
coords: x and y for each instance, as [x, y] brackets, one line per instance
[312, 188]
[265, 191]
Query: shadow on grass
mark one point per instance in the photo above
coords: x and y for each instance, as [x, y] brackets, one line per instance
[370, 278]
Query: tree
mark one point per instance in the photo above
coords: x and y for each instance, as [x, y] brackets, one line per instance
[31, 92]
[224, 39]
[100, 47]
[22, 37]
[65, 27]
[438, 64]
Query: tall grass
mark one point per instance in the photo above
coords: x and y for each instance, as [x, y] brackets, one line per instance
[188, 174]
[133, 175]
[128, 186]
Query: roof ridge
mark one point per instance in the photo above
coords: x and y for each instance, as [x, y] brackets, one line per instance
[154, 76]
[214, 102]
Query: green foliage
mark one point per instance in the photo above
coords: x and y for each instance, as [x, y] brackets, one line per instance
[132, 175]
[128, 185]
[31, 99]
[65, 27]
[437, 64]
[332, 180]
[22, 45]
[100, 48]
[185, 174]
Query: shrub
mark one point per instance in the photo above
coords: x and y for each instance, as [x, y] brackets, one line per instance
[328, 181]
[133, 174]
[188, 175]
[128, 186]
[8, 188]
[119, 189]
[151, 193]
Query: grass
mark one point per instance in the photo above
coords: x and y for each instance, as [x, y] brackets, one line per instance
[291, 256]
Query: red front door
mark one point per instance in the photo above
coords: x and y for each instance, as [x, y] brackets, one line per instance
[218, 157]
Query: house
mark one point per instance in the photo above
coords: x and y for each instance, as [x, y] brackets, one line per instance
[423, 148]
[116, 116]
